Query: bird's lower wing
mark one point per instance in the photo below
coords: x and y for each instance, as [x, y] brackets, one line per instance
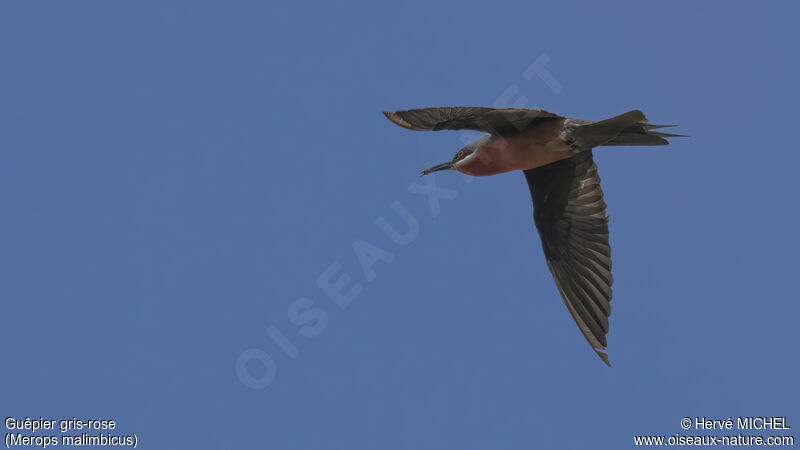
[570, 214]
[488, 120]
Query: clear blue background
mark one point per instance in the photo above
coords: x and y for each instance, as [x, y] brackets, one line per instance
[173, 175]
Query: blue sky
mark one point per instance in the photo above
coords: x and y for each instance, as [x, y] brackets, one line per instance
[175, 178]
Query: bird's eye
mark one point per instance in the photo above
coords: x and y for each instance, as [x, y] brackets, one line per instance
[460, 154]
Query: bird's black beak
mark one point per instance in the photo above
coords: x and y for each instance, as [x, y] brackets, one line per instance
[443, 166]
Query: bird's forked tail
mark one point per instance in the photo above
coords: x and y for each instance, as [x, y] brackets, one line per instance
[630, 128]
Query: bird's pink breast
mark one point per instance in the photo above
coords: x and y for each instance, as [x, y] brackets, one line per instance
[535, 147]
[490, 160]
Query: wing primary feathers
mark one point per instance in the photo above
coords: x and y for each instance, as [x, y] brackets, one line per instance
[489, 120]
[570, 215]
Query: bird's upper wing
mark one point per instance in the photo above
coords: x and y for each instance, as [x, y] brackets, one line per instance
[488, 120]
[570, 214]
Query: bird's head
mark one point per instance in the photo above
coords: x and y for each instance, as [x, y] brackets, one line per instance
[463, 157]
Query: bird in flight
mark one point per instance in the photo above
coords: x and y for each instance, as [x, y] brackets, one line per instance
[555, 154]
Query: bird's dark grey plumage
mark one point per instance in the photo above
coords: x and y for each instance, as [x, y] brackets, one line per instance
[569, 211]
[570, 214]
[488, 120]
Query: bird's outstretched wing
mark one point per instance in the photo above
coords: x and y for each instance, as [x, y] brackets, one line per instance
[488, 120]
[570, 214]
